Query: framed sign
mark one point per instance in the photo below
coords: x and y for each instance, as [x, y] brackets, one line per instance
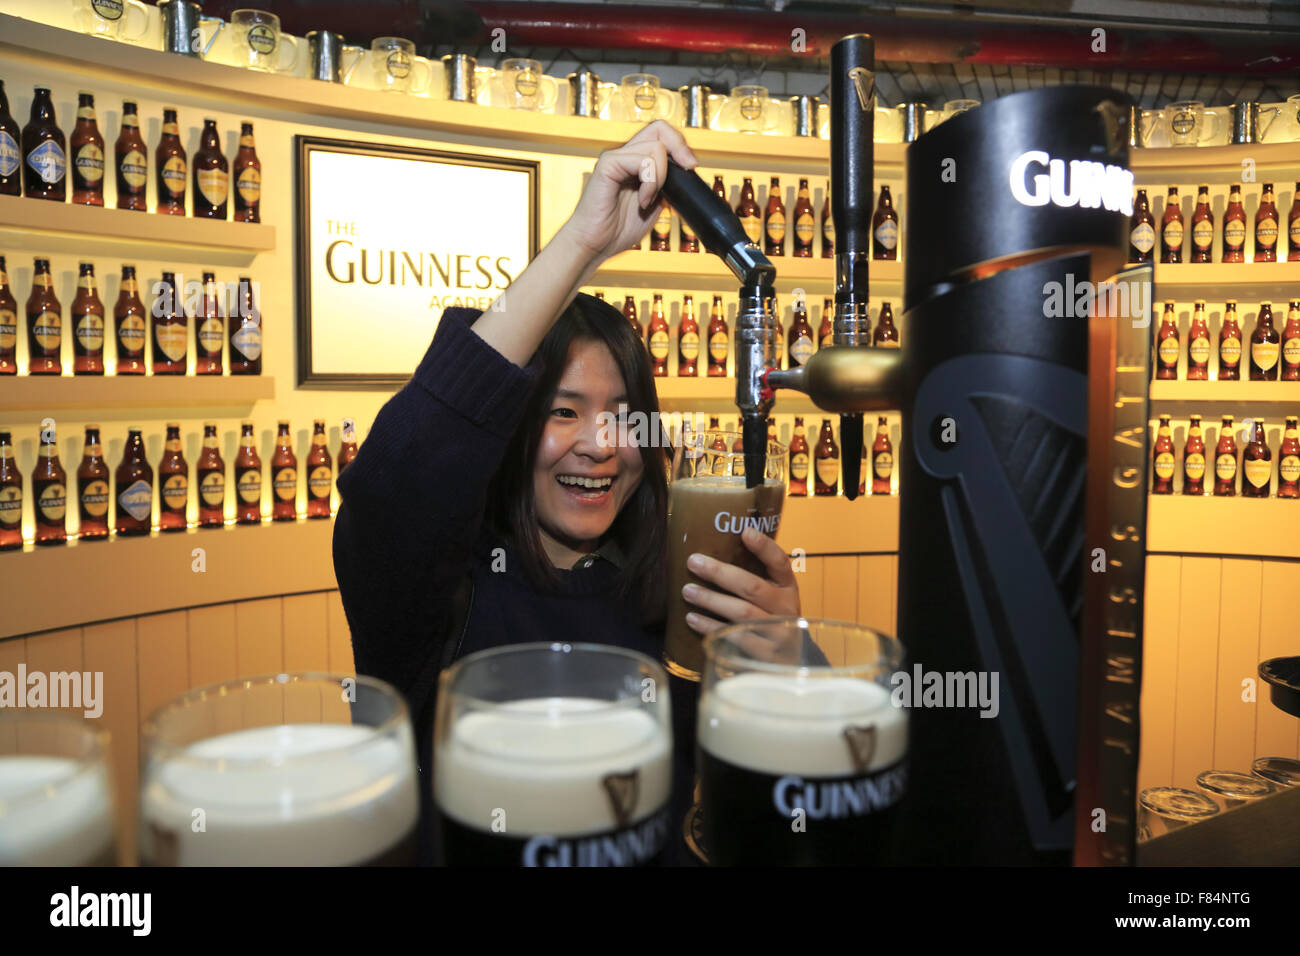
[388, 237]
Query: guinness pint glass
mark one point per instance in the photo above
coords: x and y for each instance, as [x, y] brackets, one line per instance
[553, 755]
[284, 770]
[801, 751]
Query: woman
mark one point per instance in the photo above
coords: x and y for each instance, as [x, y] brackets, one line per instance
[483, 509]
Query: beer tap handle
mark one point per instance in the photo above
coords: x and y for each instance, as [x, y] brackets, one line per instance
[717, 226]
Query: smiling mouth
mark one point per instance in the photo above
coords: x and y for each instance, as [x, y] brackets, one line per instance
[586, 487]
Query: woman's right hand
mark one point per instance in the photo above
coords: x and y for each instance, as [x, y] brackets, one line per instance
[618, 205]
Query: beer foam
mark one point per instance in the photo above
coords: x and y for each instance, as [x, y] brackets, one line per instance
[311, 795]
[778, 724]
[51, 815]
[546, 772]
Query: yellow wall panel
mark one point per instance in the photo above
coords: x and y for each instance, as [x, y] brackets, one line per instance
[306, 639]
[840, 587]
[1279, 636]
[259, 644]
[877, 586]
[56, 651]
[162, 647]
[12, 653]
[110, 649]
[1198, 644]
[212, 644]
[810, 587]
[1234, 718]
[1159, 670]
[340, 637]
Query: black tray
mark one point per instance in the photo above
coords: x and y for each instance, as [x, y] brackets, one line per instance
[1283, 676]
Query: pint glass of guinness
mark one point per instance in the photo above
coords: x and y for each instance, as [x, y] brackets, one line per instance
[802, 753]
[284, 770]
[553, 755]
[708, 508]
[56, 794]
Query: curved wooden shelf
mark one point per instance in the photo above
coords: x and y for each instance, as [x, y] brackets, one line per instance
[1214, 164]
[22, 395]
[1246, 527]
[867, 525]
[717, 396]
[1217, 281]
[673, 269]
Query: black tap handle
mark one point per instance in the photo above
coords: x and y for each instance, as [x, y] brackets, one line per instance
[716, 225]
[852, 90]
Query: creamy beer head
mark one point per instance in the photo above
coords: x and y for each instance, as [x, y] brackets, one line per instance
[55, 811]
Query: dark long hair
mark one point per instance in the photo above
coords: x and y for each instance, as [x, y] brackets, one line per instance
[641, 525]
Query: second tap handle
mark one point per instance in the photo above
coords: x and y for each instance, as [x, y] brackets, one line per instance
[716, 225]
[852, 90]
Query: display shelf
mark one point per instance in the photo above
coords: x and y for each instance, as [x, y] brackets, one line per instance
[1214, 164]
[22, 395]
[1245, 281]
[682, 269]
[866, 525]
[1248, 527]
[717, 396]
[1269, 400]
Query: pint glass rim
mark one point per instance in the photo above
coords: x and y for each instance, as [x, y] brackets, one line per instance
[94, 743]
[1214, 780]
[1148, 800]
[891, 648]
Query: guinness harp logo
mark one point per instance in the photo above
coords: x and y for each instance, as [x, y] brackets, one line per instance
[862, 746]
[622, 790]
[864, 81]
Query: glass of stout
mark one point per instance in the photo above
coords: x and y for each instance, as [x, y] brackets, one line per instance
[287, 770]
[56, 793]
[800, 748]
[708, 508]
[553, 755]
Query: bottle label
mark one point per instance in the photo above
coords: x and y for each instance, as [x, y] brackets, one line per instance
[828, 231]
[753, 227]
[1143, 237]
[131, 119]
[11, 506]
[1198, 350]
[136, 499]
[131, 286]
[1194, 466]
[90, 332]
[49, 162]
[801, 350]
[799, 466]
[887, 234]
[1230, 350]
[804, 228]
[246, 139]
[285, 483]
[1258, 472]
[776, 227]
[1266, 232]
[210, 335]
[214, 184]
[1234, 233]
[171, 129]
[48, 330]
[663, 226]
[173, 176]
[134, 168]
[175, 492]
[250, 486]
[212, 489]
[883, 464]
[94, 498]
[1294, 232]
[689, 346]
[130, 334]
[1164, 465]
[828, 470]
[171, 340]
[86, 282]
[172, 444]
[1288, 468]
[10, 154]
[90, 163]
[318, 482]
[718, 346]
[8, 329]
[1264, 354]
[1169, 351]
[1291, 352]
[249, 185]
[688, 234]
[53, 502]
[248, 340]
[1174, 234]
[1225, 466]
[659, 345]
[1203, 234]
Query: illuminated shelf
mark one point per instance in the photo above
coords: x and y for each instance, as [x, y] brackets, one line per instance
[1215, 165]
[1268, 400]
[27, 394]
[1232, 280]
[1249, 527]
[867, 525]
[669, 269]
[717, 396]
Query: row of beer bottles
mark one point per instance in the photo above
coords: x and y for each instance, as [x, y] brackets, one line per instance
[166, 325]
[127, 508]
[1173, 239]
[41, 166]
[1256, 460]
[1272, 354]
[798, 344]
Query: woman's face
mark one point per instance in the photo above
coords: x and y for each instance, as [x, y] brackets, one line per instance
[580, 484]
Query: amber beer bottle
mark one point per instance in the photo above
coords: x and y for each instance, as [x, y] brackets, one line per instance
[87, 149]
[50, 491]
[1194, 459]
[246, 335]
[211, 474]
[629, 312]
[828, 226]
[169, 159]
[248, 478]
[1291, 344]
[738, 448]
[8, 325]
[44, 324]
[657, 333]
[211, 175]
[886, 334]
[805, 223]
[1230, 344]
[748, 212]
[1293, 227]
[1288, 460]
[1167, 344]
[131, 160]
[661, 231]
[719, 340]
[347, 444]
[1256, 465]
[11, 497]
[173, 483]
[719, 444]
[209, 330]
[45, 160]
[11, 157]
[826, 331]
[1225, 461]
[774, 220]
[87, 325]
[129, 325]
[687, 240]
[1265, 346]
[134, 487]
[1171, 229]
[826, 462]
[1198, 345]
[248, 178]
[1141, 230]
[1234, 228]
[284, 477]
[92, 489]
[882, 459]
[798, 461]
[320, 473]
[884, 228]
[1202, 227]
[1162, 460]
[719, 188]
[801, 346]
[170, 329]
[1266, 226]
[688, 340]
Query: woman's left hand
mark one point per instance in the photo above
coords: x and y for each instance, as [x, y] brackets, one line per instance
[751, 597]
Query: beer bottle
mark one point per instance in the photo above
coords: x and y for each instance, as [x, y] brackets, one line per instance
[50, 491]
[132, 161]
[1171, 229]
[8, 325]
[211, 472]
[826, 331]
[798, 461]
[246, 336]
[805, 224]
[688, 340]
[1256, 465]
[719, 444]
[738, 449]
[1293, 227]
[774, 220]
[826, 463]
[169, 158]
[248, 178]
[801, 347]
[1162, 460]
[173, 483]
[170, 329]
[884, 228]
[748, 213]
[284, 477]
[1234, 228]
[629, 312]
[886, 335]
[1202, 227]
[211, 175]
[599, 295]
[45, 161]
[129, 326]
[347, 444]
[1167, 344]
[1230, 344]
[11, 160]
[1194, 459]
[87, 325]
[1225, 461]
[720, 188]
[87, 148]
[828, 227]
[11, 497]
[657, 337]
[248, 479]
[1288, 460]
[320, 473]
[209, 330]
[1198, 345]
[775, 309]
[687, 240]
[134, 487]
[1266, 226]
[882, 459]
[719, 340]
[1291, 344]
[661, 231]
[1141, 230]
[1265, 346]
[44, 324]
